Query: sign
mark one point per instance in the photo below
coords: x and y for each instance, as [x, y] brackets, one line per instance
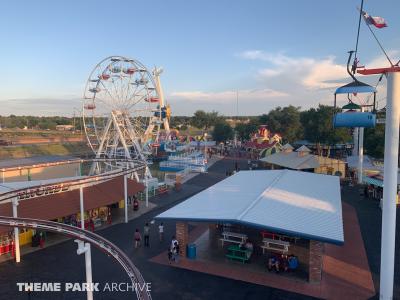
[42, 191]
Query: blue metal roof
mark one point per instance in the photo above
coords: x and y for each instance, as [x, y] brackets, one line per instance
[355, 87]
[297, 203]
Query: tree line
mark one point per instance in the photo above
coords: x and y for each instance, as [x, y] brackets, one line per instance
[313, 125]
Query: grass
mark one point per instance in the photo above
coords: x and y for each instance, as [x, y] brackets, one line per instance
[75, 149]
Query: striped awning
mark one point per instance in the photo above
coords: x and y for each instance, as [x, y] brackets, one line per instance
[373, 181]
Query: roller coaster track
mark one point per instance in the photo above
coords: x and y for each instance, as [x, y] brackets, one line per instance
[81, 234]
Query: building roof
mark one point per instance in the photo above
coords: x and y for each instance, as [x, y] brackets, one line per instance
[303, 149]
[290, 202]
[287, 146]
[292, 160]
[368, 163]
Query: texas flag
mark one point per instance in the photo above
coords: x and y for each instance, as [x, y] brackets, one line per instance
[378, 22]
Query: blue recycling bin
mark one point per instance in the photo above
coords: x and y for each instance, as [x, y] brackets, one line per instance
[191, 251]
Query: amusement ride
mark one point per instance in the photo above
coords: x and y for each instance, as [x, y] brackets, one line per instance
[124, 111]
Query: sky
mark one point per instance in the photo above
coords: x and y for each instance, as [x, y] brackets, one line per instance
[268, 53]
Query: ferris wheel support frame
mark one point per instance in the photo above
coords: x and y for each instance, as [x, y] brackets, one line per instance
[120, 137]
[156, 75]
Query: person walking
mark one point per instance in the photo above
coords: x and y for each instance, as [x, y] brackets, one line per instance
[175, 251]
[138, 238]
[146, 233]
[161, 231]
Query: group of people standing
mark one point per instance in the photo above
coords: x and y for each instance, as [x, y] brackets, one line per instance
[173, 249]
[146, 234]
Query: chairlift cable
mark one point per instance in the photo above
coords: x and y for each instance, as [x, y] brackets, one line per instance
[380, 45]
[358, 33]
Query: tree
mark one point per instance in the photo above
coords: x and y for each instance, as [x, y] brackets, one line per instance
[318, 127]
[285, 121]
[222, 131]
[204, 120]
[244, 130]
[374, 141]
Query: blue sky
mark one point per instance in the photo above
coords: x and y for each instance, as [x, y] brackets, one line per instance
[272, 52]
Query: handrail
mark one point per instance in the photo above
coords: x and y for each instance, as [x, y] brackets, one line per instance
[90, 237]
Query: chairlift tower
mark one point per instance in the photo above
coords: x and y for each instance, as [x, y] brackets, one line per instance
[390, 177]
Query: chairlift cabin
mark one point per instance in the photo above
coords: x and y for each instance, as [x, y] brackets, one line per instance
[351, 114]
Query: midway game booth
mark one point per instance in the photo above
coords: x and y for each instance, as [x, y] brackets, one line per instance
[276, 220]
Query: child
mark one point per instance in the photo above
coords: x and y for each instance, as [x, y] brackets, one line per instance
[138, 238]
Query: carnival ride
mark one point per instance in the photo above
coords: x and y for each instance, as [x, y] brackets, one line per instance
[124, 110]
[75, 232]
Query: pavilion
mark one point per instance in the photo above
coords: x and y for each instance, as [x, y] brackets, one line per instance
[291, 203]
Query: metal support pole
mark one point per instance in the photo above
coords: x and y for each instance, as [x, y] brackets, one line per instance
[390, 186]
[88, 267]
[360, 153]
[85, 248]
[147, 192]
[16, 232]
[81, 207]
[126, 197]
[3, 176]
[355, 142]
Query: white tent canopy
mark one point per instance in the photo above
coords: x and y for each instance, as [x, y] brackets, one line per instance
[292, 160]
[290, 202]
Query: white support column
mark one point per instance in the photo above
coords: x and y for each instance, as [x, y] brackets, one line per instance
[355, 142]
[16, 232]
[390, 186]
[3, 176]
[81, 207]
[85, 248]
[147, 191]
[88, 267]
[126, 197]
[360, 152]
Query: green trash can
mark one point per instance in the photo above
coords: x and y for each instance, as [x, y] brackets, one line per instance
[191, 251]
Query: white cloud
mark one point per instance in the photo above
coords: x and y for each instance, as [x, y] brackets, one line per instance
[309, 73]
[228, 96]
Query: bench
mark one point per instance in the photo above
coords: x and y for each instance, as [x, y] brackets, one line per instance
[235, 252]
[275, 245]
[233, 256]
[233, 237]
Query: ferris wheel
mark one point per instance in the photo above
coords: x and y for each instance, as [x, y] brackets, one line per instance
[122, 109]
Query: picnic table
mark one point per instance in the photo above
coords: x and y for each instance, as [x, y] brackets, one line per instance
[235, 252]
[233, 237]
[275, 245]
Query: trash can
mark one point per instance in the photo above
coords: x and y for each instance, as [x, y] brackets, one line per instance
[191, 251]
